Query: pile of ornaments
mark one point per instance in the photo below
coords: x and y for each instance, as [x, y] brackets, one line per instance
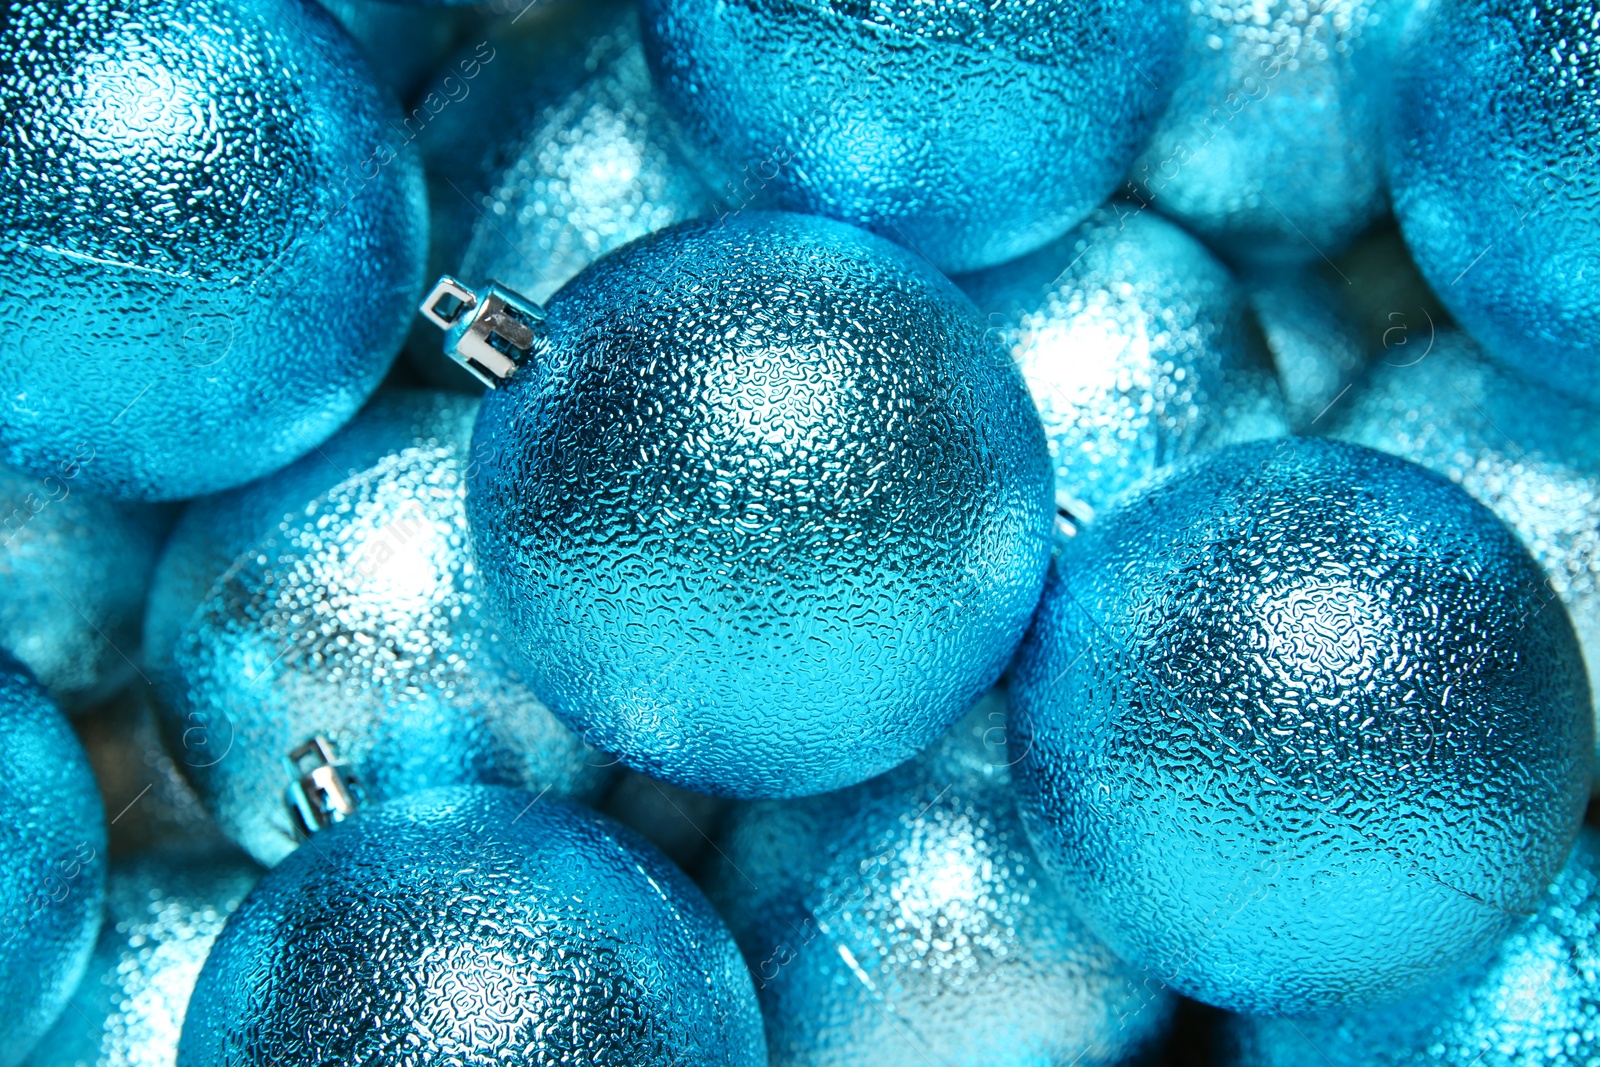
[1012, 532]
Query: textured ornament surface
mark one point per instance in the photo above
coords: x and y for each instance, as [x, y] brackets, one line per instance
[210, 248]
[1501, 205]
[1315, 340]
[905, 921]
[850, 110]
[475, 926]
[1301, 726]
[52, 862]
[1535, 1004]
[770, 512]
[74, 569]
[598, 167]
[1531, 455]
[1272, 148]
[339, 598]
[163, 911]
[1135, 345]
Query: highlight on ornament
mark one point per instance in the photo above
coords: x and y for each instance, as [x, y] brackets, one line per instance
[997, 534]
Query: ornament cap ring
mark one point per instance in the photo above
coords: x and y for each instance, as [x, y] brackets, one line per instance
[489, 333]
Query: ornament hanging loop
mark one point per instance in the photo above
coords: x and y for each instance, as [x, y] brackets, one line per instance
[489, 333]
[322, 791]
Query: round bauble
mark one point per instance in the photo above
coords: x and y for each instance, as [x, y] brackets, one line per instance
[1315, 338]
[1531, 455]
[1501, 204]
[163, 911]
[906, 919]
[52, 862]
[1137, 347]
[338, 600]
[402, 44]
[1534, 1004]
[474, 925]
[1272, 148]
[210, 246]
[74, 569]
[767, 510]
[971, 133]
[1301, 727]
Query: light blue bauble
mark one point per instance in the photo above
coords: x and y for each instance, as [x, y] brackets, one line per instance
[1316, 341]
[1301, 727]
[972, 133]
[1272, 148]
[1531, 455]
[1536, 1003]
[1137, 347]
[74, 568]
[1493, 149]
[163, 911]
[52, 862]
[338, 598]
[767, 511]
[475, 925]
[402, 43]
[906, 921]
[211, 249]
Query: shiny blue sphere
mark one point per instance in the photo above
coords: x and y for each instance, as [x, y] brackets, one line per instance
[1272, 148]
[1536, 1003]
[74, 570]
[52, 862]
[475, 925]
[1135, 343]
[212, 239]
[972, 133]
[163, 911]
[338, 598]
[1527, 453]
[1302, 726]
[905, 921]
[768, 512]
[1500, 203]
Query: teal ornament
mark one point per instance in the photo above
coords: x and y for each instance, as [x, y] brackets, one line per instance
[1529, 454]
[1138, 348]
[1272, 147]
[210, 245]
[905, 920]
[1315, 339]
[402, 44]
[1316, 690]
[761, 508]
[1536, 1003]
[1500, 202]
[971, 133]
[163, 911]
[74, 570]
[474, 925]
[52, 862]
[338, 601]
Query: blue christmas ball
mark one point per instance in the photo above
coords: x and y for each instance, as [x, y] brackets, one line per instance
[972, 133]
[1272, 148]
[906, 921]
[767, 511]
[1136, 346]
[1536, 1003]
[52, 862]
[1531, 455]
[1316, 342]
[163, 911]
[402, 44]
[1301, 727]
[1501, 204]
[338, 599]
[74, 569]
[474, 925]
[210, 247]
